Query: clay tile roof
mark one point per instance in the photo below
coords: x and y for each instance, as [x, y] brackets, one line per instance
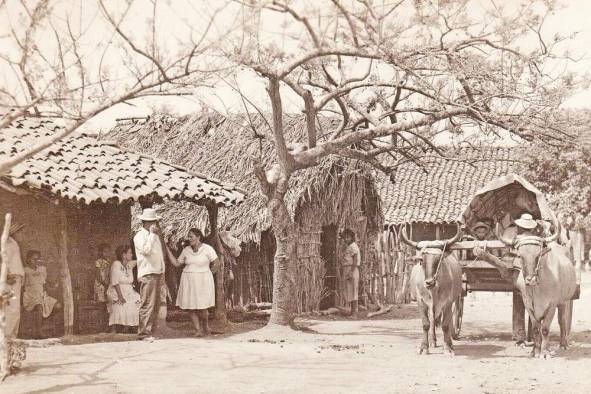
[440, 194]
[84, 169]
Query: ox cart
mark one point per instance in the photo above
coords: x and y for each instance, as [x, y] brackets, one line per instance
[500, 202]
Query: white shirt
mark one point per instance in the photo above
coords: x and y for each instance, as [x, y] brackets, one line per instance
[352, 255]
[197, 261]
[149, 253]
[14, 263]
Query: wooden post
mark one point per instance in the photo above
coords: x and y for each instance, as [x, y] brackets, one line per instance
[4, 297]
[68, 297]
[220, 319]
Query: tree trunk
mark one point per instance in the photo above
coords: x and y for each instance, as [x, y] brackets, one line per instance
[68, 298]
[220, 319]
[285, 237]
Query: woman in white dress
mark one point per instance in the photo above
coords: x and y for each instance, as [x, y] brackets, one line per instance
[124, 301]
[196, 290]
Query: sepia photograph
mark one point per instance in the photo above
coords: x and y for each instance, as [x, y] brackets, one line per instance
[295, 196]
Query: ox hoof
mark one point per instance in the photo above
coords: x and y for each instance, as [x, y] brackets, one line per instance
[423, 350]
[450, 353]
[545, 355]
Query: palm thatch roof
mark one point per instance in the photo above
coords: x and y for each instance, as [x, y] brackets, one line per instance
[226, 147]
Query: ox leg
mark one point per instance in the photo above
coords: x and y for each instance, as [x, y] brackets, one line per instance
[545, 331]
[424, 348]
[446, 326]
[432, 335]
[563, 323]
[537, 337]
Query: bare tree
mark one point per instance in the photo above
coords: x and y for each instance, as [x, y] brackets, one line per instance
[397, 74]
[75, 60]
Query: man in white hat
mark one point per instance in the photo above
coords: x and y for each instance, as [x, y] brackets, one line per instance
[16, 273]
[524, 226]
[149, 251]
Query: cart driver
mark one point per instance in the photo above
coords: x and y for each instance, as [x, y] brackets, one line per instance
[524, 226]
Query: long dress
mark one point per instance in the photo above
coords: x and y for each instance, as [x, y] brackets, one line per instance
[128, 313]
[34, 293]
[196, 289]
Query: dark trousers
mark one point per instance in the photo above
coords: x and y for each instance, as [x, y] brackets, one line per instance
[150, 286]
[518, 317]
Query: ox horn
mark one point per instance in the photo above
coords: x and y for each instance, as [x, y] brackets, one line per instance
[405, 238]
[456, 237]
[554, 236]
[505, 240]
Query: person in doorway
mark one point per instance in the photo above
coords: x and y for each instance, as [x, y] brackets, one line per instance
[350, 271]
[35, 298]
[102, 267]
[101, 278]
[149, 250]
[124, 300]
[196, 288]
[14, 280]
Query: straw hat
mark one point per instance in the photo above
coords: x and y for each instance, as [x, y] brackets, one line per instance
[16, 227]
[149, 215]
[479, 225]
[526, 221]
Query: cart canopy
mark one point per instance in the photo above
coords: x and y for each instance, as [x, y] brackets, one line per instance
[505, 199]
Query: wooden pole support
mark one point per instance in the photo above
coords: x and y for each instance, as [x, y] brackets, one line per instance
[4, 296]
[68, 296]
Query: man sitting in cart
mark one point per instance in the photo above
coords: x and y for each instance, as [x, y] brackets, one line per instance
[481, 231]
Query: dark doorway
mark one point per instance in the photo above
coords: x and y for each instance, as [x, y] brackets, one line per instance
[328, 252]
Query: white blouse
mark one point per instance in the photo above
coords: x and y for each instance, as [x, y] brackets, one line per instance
[197, 261]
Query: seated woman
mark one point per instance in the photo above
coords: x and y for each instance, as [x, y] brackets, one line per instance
[124, 301]
[35, 298]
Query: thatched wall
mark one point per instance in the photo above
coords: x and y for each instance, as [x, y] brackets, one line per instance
[87, 227]
[355, 207]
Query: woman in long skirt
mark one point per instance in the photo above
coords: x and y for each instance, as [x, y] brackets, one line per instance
[196, 290]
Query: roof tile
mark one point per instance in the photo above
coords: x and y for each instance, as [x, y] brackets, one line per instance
[441, 193]
[81, 168]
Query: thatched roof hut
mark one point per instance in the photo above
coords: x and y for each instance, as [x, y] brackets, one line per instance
[226, 147]
[76, 195]
[335, 193]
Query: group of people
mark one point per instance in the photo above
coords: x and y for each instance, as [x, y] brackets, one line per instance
[28, 284]
[114, 281]
[128, 308]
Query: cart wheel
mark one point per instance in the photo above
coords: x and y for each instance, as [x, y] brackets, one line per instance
[457, 311]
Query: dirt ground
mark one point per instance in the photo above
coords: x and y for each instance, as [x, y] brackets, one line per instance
[325, 356]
